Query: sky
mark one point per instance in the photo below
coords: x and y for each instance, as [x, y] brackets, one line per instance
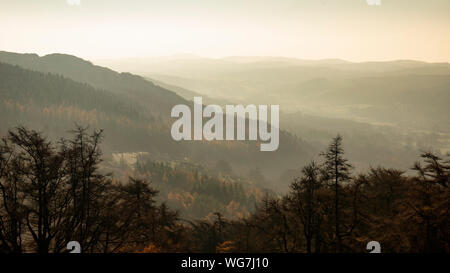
[308, 29]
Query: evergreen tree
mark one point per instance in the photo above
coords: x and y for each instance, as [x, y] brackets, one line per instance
[336, 171]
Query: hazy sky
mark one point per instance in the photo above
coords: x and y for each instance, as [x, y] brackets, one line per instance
[309, 29]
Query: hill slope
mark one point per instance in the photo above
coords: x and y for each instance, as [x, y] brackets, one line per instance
[54, 103]
[155, 98]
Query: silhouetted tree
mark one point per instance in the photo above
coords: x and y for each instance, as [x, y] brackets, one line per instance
[336, 170]
[305, 203]
[11, 206]
[53, 194]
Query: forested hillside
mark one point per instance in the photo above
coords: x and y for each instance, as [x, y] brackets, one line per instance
[198, 195]
[258, 129]
[150, 104]
[53, 104]
[194, 190]
[52, 193]
[156, 100]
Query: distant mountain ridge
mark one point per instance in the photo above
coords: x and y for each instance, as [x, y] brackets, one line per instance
[410, 93]
[156, 98]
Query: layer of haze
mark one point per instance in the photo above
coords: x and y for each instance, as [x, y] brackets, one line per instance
[309, 29]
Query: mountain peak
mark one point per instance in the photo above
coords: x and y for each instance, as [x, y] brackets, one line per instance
[65, 58]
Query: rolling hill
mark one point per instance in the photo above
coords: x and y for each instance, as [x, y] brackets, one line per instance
[53, 92]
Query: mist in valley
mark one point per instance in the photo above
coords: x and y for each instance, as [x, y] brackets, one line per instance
[87, 90]
[387, 111]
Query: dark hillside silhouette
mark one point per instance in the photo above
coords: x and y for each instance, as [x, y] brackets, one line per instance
[53, 193]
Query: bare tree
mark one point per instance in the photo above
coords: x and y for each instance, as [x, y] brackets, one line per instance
[305, 203]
